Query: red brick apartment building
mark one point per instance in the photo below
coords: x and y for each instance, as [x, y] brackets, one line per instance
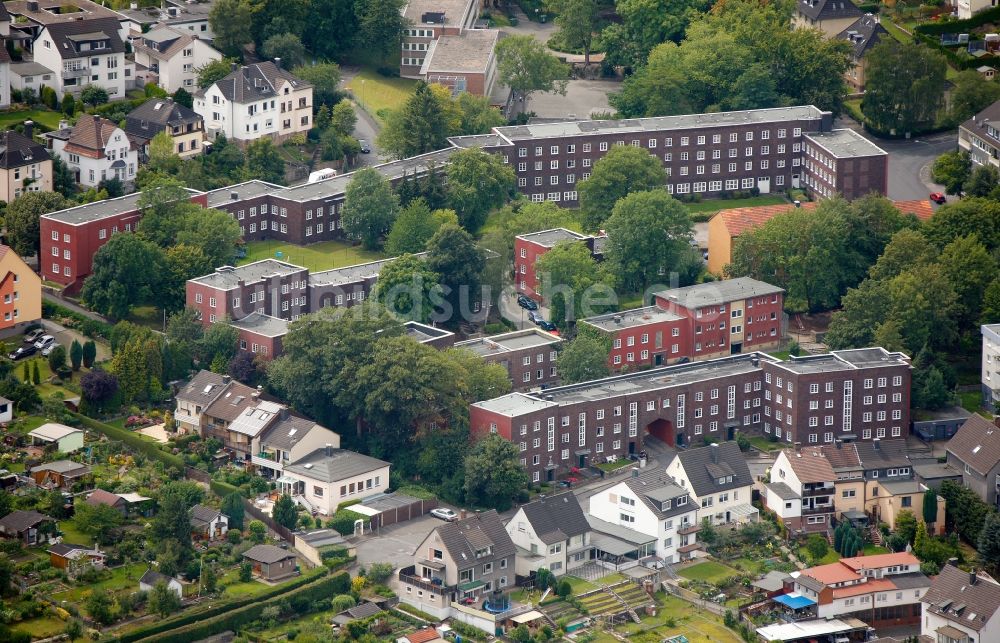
[815, 399]
[529, 248]
[528, 355]
[71, 237]
[703, 321]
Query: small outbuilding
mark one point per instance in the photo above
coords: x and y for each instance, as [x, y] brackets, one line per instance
[65, 438]
[271, 563]
[152, 578]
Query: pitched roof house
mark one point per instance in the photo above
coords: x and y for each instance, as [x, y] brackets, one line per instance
[254, 101]
[270, 562]
[21, 303]
[152, 578]
[862, 34]
[459, 561]
[975, 451]
[801, 491]
[326, 477]
[961, 607]
[60, 473]
[208, 523]
[25, 166]
[95, 150]
[170, 58]
[829, 16]
[29, 526]
[86, 52]
[113, 500]
[719, 481]
[74, 559]
[551, 532]
[185, 127]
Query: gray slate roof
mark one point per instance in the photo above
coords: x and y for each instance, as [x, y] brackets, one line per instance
[339, 465]
[202, 515]
[703, 473]
[654, 487]
[977, 444]
[255, 82]
[884, 453]
[17, 150]
[203, 388]
[66, 35]
[863, 34]
[63, 466]
[782, 490]
[285, 433]
[155, 115]
[556, 518]
[153, 577]
[827, 9]
[951, 589]
[20, 520]
[267, 554]
[464, 537]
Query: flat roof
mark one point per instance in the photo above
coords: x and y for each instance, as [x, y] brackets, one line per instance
[455, 11]
[508, 342]
[806, 629]
[845, 143]
[351, 274]
[243, 191]
[185, 13]
[336, 186]
[476, 140]
[777, 115]
[423, 332]
[632, 318]
[262, 325]
[228, 277]
[846, 360]
[468, 52]
[101, 209]
[664, 377]
[716, 293]
[45, 15]
[29, 69]
[549, 238]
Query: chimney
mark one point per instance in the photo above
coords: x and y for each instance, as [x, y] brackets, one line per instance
[277, 61]
[226, 379]
[973, 578]
[32, 6]
[953, 562]
[462, 514]
[29, 127]
[255, 396]
[233, 67]
[329, 449]
[283, 413]
[635, 472]
[714, 451]
[234, 195]
[755, 360]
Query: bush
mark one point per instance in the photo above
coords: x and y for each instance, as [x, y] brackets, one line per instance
[378, 573]
[565, 589]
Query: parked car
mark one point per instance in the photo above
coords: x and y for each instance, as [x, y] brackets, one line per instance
[444, 514]
[938, 198]
[34, 336]
[22, 352]
[48, 349]
[45, 342]
[536, 318]
[527, 302]
[365, 147]
[547, 325]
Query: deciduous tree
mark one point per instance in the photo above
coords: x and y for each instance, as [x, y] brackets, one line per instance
[264, 162]
[370, 208]
[578, 21]
[477, 183]
[585, 358]
[380, 25]
[230, 21]
[622, 170]
[526, 66]
[287, 47]
[232, 507]
[573, 283]
[325, 79]
[409, 288]
[22, 219]
[127, 270]
[453, 255]
[415, 226]
[163, 601]
[493, 473]
[904, 86]
[216, 69]
[952, 169]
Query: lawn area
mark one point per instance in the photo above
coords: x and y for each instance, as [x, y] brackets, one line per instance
[872, 550]
[234, 588]
[46, 118]
[148, 316]
[579, 585]
[830, 557]
[378, 94]
[711, 206]
[569, 221]
[748, 565]
[764, 444]
[42, 627]
[614, 466]
[895, 31]
[853, 107]
[73, 535]
[122, 578]
[676, 616]
[31, 422]
[972, 401]
[709, 572]
[318, 256]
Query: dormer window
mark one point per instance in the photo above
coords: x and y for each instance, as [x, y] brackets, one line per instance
[683, 500]
[665, 506]
[486, 551]
[722, 481]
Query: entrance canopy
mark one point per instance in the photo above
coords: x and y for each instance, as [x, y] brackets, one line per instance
[795, 601]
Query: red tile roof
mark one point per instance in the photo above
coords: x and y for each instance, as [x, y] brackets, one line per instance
[739, 220]
[881, 560]
[873, 585]
[921, 208]
[423, 636]
[832, 573]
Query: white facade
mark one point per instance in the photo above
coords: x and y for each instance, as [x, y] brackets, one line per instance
[21, 79]
[620, 506]
[990, 377]
[717, 507]
[103, 68]
[117, 161]
[558, 557]
[932, 622]
[968, 8]
[324, 497]
[178, 68]
[5, 80]
[279, 114]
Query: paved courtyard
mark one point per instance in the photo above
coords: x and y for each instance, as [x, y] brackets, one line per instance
[395, 544]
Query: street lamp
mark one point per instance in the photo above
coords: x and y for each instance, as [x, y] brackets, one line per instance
[362, 91]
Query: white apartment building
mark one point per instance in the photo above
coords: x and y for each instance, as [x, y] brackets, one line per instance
[719, 481]
[170, 58]
[95, 149]
[254, 101]
[85, 52]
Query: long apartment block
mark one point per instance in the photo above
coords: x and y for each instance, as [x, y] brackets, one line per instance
[849, 395]
[706, 154]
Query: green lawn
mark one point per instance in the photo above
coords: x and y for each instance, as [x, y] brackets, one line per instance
[830, 557]
[318, 256]
[42, 627]
[853, 107]
[711, 206]
[675, 616]
[895, 31]
[148, 316]
[614, 466]
[709, 572]
[121, 579]
[872, 550]
[234, 588]
[378, 94]
[972, 401]
[46, 118]
[73, 535]
[764, 444]
[579, 585]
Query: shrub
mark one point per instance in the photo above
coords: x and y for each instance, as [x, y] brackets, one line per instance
[565, 589]
[378, 573]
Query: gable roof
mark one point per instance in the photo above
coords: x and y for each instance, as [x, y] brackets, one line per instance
[20, 520]
[155, 115]
[881, 560]
[67, 549]
[66, 35]
[255, 82]
[339, 464]
[423, 636]
[168, 42]
[203, 387]
[102, 497]
[842, 457]
[202, 515]
[53, 431]
[863, 34]
[152, 577]
[232, 402]
[739, 220]
[654, 487]
[977, 444]
[827, 9]
[952, 589]
[62, 466]
[267, 554]
[17, 150]
[287, 431]
[464, 538]
[706, 465]
[90, 135]
[880, 453]
[809, 465]
[556, 518]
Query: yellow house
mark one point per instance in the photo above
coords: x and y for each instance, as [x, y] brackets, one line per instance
[20, 291]
[25, 166]
[185, 127]
[886, 500]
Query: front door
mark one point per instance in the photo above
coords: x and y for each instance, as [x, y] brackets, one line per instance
[582, 458]
[550, 475]
[658, 359]
[764, 185]
[736, 348]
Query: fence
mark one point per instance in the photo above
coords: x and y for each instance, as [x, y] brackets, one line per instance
[257, 514]
[393, 515]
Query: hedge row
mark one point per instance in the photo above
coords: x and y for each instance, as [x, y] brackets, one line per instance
[223, 489]
[233, 619]
[959, 26]
[186, 619]
[89, 327]
[131, 439]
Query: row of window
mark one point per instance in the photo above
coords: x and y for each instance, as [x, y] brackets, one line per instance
[652, 143]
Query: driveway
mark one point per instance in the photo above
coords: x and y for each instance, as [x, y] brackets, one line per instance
[366, 128]
[395, 544]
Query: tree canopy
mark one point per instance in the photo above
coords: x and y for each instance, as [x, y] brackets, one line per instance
[526, 66]
[904, 86]
[370, 208]
[23, 219]
[622, 170]
[477, 183]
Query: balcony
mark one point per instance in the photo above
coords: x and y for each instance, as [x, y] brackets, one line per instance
[408, 576]
[686, 549]
[817, 490]
[265, 460]
[688, 529]
[818, 509]
[76, 73]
